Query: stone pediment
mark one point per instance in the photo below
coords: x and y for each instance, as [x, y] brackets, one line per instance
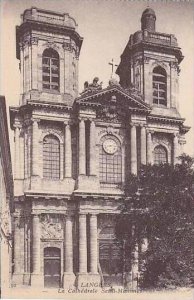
[114, 99]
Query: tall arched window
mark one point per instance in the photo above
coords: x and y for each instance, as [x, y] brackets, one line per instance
[160, 155]
[51, 157]
[159, 86]
[110, 160]
[50, 70]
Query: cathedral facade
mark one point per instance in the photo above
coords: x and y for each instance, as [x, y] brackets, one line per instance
[74, 152]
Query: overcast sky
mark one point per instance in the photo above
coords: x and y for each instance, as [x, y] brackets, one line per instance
[105, 26]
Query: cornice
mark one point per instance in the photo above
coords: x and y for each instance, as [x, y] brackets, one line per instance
[184, 129]
[165, 119]
[46, 196]
[30, 25]
[96, 196]
[147, 45]
[59, 106]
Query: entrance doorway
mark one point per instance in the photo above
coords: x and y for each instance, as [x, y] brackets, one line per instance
[110, 258]
[52, 267]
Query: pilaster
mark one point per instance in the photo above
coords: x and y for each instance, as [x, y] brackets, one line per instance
[21, 71]
[62, 77]
[17, 274]
[68, 151]
[21, 153]
[17, 153]
[34, 50]
[133, 149]
[67, 68]
[35, 148]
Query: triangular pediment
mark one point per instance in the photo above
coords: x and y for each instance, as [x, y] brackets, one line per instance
[115, 96]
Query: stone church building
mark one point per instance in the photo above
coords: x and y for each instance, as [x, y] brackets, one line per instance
[74, 152]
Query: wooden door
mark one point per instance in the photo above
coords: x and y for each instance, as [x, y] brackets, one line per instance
[52, 267]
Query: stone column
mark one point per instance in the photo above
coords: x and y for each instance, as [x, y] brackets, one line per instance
[93, 245]
[92, 148]
[68, 246]
[133, 150]
[149, 147]
[82, 148]
[68, 151]
[35, 148]
[36, 244]
[37, 277]
[34, 50]
[143, 145]
[82, 244]
[17, 153]
[68, 276]
[176, 148]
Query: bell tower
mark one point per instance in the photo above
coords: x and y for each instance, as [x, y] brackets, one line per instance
[150, 63]
[48, 48]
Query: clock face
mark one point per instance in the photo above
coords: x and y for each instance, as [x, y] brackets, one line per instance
[110, 146]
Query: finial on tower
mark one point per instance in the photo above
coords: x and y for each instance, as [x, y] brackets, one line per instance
[148, 20]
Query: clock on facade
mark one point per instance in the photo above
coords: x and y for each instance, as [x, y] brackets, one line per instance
[110, 146]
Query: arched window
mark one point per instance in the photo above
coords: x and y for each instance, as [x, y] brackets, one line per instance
[110, 160]
[50, 70]
[51, 157]
[159, 86]
[160, 155]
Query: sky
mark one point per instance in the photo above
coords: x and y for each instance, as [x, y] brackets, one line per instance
[105, 26]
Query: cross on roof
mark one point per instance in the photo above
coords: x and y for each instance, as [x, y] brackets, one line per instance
[112, 66]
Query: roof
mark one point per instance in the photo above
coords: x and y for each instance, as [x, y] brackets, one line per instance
[148, 11]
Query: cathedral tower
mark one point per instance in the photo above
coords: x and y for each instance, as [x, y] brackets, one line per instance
[48, 48]
[150, 62]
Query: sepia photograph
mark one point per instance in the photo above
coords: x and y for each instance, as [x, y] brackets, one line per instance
[97, 149]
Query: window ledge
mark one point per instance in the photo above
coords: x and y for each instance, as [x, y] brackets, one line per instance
[51, 91]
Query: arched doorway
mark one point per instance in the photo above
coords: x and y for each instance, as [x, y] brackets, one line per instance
[52, 267]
